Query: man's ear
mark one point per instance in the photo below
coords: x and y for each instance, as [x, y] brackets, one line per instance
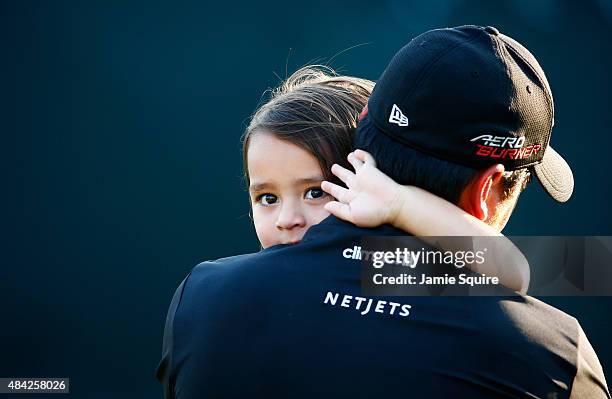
[476, 198]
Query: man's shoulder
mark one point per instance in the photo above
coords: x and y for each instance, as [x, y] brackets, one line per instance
[539, 313]
[255, 262]
[529, 325]
[224, 265]
[225, 276]
[221, 270]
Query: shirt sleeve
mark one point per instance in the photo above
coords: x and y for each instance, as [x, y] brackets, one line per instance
[163, 372]
[589, 381]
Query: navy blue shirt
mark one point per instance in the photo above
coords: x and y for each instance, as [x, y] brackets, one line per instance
[291, 321]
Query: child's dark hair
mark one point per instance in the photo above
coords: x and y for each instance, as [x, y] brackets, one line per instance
[315, 109]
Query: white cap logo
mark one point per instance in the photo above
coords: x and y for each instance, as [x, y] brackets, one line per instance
[398, 117]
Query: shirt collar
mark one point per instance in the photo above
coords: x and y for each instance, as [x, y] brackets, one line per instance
[333, 225]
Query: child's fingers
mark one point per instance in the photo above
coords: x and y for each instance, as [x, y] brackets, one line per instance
[357, 163]
[365, 156]
[339, 210]
[343, 174]
[339, 193]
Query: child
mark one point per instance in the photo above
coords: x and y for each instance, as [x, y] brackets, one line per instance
[289, 148]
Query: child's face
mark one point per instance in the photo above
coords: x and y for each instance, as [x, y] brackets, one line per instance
[285, 190]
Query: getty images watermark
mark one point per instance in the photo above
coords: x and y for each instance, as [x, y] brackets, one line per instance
[482, 266]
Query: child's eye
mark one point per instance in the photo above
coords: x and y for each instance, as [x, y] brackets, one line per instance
[267, 199]
[315, 193]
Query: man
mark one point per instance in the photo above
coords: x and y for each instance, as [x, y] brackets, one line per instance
[464, 113]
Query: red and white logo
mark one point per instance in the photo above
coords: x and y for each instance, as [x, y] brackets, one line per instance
[504, 147]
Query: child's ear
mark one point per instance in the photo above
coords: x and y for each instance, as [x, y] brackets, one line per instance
[363, 113]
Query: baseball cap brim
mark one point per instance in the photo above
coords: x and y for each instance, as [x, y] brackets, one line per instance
[555, 175]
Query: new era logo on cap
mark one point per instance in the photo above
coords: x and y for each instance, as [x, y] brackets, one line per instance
[398, 117]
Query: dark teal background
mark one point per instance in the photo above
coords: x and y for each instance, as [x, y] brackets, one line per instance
[122, 166]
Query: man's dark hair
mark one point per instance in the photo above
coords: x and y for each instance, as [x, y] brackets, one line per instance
[408, 166]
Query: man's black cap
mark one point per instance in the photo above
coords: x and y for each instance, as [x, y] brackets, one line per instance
[472, 96]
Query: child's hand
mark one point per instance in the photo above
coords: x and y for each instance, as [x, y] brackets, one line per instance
[371, 199]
